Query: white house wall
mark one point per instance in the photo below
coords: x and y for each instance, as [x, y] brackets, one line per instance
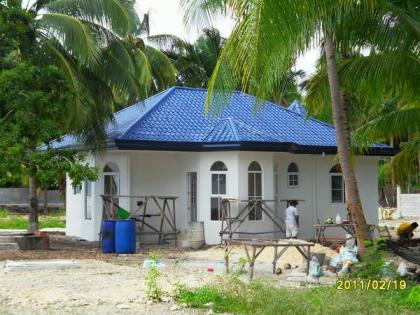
[265, 159]
[314, 188]
[206, 160]
[165, 173]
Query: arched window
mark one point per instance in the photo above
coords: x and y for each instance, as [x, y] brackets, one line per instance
[218, 189]
[293, 175]
[337, 187]
[218, 166]
[255, 189]
[111, 185]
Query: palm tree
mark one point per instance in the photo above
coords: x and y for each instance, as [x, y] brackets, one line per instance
[194, 62]
[383, 87]
[149, 71]
[270, 34]
[74, 36]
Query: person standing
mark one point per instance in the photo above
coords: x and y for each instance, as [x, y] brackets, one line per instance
[292, 220]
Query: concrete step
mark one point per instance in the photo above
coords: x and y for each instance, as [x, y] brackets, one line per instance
[9, 246]
[8, 239]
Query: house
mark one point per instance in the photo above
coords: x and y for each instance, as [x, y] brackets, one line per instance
[166, 145]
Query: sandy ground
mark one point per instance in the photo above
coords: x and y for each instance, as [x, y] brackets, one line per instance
[114, 284]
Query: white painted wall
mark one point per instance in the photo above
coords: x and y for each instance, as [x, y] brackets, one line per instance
[314, 188]
[265, 159]
[206, 160]
[408, 204]
[165, 173]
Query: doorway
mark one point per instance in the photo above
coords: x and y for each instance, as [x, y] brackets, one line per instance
[192, 196]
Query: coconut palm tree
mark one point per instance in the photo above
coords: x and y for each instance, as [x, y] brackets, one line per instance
[270, 34]
[75, 36]
[149, 71]
[194, 62]
[383, 85]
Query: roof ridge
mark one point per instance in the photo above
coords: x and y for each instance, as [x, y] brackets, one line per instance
[147, 112]
[250, 128]
[220, 121]
[233, 127]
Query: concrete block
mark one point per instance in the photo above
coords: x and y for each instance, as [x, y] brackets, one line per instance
[9, 246]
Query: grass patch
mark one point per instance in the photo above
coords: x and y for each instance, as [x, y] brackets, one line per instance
[235, 297]
[20, 222]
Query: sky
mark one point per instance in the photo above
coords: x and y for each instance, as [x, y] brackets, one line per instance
[166, 18]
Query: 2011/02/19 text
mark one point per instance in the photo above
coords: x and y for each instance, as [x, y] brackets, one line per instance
[371, 284]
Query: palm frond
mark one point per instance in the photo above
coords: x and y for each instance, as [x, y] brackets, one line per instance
[117, 14]
[71, 33]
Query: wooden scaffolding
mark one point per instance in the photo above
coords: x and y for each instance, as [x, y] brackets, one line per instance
[165, 229]
[231, 223]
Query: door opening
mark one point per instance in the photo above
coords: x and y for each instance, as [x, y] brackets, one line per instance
[192, 196]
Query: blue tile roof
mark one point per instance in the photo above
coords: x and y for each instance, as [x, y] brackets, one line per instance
[176, 118]
[297, 107]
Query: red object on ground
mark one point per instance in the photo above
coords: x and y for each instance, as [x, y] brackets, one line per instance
[210, 269]
[337, 249]
[44, 235]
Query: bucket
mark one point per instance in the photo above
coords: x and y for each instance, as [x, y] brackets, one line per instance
[108, 236]
[195, 234]
[125, 237]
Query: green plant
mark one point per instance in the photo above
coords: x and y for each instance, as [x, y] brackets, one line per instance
[373, 263]
[154, 256]
[154, 292]
[233, 296]
[241, 270]
[4, 213]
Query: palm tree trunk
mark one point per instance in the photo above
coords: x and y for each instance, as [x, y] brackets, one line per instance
[344, 149]
[33, 200]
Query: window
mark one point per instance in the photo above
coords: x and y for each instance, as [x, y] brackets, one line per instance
[293, 175]
[88, 195]
[111, 186]
[77, 189]
[218, 189]
[337, 185]
[255, 190]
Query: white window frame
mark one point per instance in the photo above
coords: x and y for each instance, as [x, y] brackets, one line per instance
[343, 189]
[260, 197]
[293, 173]
[88, 200]
[219, 196]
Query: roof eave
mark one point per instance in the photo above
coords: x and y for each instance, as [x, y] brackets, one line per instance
[240, 146]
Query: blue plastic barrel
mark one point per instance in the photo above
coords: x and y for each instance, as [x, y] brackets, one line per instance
[125, 237]
[108, 236]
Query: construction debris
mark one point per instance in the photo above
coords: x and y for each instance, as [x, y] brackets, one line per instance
[28, 265]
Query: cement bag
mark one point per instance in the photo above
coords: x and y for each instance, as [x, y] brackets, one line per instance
[315, 269]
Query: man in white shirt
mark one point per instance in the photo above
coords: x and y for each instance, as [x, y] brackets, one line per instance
[292, 220]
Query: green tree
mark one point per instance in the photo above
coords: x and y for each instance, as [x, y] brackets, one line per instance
[194, 62]
[73, 35]
[269, 35]
[149, 70]
[36, 100]
[381, 85]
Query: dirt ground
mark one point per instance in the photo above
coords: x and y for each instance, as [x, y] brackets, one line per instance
[114, 284]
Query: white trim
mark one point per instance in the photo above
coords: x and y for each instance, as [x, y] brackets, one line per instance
[342, 188]
[262, 188]
[218, 187]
